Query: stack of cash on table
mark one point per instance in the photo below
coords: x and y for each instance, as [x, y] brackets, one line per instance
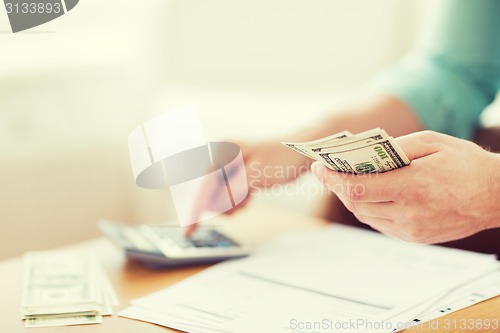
[370, 151]
[65, 288]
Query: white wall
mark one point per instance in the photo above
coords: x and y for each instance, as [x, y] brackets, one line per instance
[279, 43]
[70, 91]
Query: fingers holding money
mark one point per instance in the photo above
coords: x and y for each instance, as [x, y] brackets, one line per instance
[373, 199]
[358, 188]
[433, 199]
[391, 225]
[420, 144]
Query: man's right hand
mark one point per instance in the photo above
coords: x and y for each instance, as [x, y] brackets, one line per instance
[270, 162]
[266, 163]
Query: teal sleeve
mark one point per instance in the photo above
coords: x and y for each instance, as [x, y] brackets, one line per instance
[454, 71]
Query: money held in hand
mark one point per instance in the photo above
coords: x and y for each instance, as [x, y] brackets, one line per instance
[366, 152]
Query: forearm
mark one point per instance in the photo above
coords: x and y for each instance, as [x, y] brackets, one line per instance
[385, 112]
[494, 181]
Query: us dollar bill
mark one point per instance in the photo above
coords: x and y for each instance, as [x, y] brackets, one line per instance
[305, 147]
[364, 137]
[52, 320]
[376, 156]
[370, 151]
[64, 288]
[56, 280]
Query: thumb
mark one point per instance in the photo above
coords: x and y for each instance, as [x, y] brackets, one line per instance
[420, 144]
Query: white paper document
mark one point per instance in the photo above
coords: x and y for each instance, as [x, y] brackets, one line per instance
[337, 279]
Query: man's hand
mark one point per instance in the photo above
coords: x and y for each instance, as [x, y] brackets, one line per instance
[266, 163]
[450, 190]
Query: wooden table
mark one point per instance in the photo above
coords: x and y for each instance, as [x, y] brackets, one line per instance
[255, 224]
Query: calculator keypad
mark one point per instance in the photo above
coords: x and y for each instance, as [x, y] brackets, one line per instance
[201, 238]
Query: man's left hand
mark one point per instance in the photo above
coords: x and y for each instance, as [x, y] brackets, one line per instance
[450, 190]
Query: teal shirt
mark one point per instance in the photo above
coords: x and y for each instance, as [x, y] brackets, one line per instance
[453, 72]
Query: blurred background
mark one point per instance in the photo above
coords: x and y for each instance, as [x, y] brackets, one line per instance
[72, 89]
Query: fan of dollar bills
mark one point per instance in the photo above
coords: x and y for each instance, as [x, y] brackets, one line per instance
[366, 152]
[64, 288]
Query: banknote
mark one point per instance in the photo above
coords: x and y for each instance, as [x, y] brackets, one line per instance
[304, 147]
[370, 151]
[51, 321]
[375, 156]
[64, 288]
[366, 137]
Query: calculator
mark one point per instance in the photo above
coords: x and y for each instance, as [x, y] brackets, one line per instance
[164, 245]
